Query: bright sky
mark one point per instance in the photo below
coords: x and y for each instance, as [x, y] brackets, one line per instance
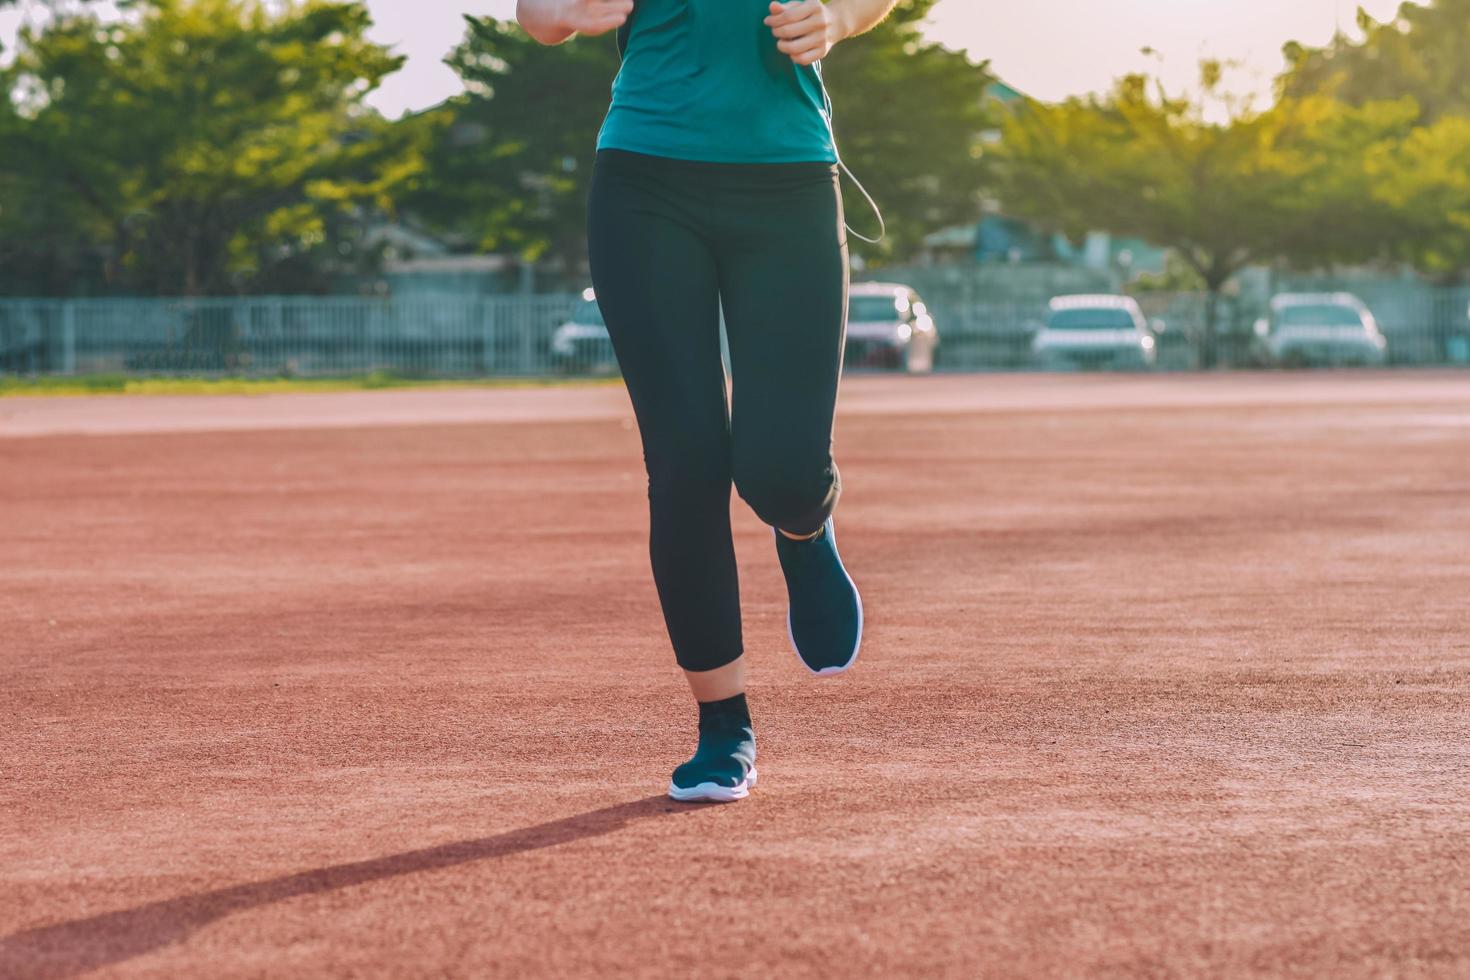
[1046, 48]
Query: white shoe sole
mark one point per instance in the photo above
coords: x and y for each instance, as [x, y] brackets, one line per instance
[857, 642]
[713, 792]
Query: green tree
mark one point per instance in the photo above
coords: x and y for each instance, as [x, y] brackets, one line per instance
[1222, 190]
[510, 171]
[209, 146]
[909, 116]
[1424, 179]
[47, 241]
[509, 167]
[1416, 57]
[1419, 53]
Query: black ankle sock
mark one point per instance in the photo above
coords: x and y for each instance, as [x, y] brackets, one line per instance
[734, 709]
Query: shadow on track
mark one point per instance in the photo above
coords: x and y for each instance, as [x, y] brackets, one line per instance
[69, 949]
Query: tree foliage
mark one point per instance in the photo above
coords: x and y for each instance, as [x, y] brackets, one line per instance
[1424, 181]
[509, 168]
[1223, 192]
[204, 146]
[1416, 58]
[1419, 53]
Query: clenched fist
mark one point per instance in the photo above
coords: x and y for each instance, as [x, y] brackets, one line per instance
[805, 30]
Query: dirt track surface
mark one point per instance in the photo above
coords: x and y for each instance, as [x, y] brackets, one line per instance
[1160, 676]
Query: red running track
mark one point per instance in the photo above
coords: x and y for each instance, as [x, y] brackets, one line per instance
[1161, 676]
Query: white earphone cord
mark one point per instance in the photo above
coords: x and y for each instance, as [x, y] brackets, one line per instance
[882, 225]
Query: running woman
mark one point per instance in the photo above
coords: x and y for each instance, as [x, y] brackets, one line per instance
[716, 182]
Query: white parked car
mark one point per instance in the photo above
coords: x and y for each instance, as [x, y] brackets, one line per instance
[1095, 332]
[888, 326]
[581, 345]
[1317, 329]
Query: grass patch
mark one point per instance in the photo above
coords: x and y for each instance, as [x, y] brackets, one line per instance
[118, 384]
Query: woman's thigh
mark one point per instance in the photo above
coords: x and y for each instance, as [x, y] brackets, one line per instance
[785, 290]
[656, 283]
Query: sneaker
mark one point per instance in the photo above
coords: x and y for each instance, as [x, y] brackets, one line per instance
[825, 620]
[723, 767]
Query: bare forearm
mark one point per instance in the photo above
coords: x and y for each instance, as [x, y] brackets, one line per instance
[856, 17]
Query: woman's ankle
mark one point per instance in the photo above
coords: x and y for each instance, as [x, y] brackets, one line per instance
[733, 709]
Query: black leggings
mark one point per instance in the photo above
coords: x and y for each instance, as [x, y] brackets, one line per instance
[669, 241]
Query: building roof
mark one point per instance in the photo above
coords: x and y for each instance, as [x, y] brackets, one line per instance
[955, 236]
[1001, 91]
[450, 263]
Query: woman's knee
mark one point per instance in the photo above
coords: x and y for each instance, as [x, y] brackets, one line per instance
[788, 498]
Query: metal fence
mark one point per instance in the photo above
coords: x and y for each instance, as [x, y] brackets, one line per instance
[292, 336]
[1423, 326]
[530, 336]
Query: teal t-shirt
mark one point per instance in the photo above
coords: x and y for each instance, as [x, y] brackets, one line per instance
[703, 80]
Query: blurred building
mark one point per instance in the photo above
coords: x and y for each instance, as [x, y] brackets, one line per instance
[418, 264]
